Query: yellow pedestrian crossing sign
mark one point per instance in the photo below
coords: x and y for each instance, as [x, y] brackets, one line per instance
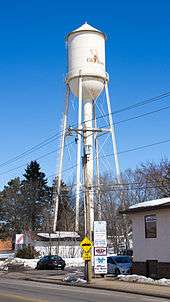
[86, 244]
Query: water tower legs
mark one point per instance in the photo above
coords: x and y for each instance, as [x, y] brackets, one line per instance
[57, 186]
[112, 130]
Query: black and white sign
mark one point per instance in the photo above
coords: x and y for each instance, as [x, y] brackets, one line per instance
[100, 236]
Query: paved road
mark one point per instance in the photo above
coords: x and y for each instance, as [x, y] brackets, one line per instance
[22, 291]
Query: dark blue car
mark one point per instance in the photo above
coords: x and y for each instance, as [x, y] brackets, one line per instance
[51, 262]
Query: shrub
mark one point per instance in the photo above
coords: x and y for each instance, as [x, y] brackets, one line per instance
[27, 252]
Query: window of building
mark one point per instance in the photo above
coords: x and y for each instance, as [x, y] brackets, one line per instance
[150, 226]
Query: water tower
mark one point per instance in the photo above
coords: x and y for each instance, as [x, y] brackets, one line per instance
[86, 79]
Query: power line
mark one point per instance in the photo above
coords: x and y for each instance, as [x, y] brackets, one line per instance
[44, 155]
[144, 146]
[124, 151]
[58, 135]
[141, 115]
[107, 155]
[132, 189]
[65, 170]
[138, 104]
[29, 151]
[121, 189]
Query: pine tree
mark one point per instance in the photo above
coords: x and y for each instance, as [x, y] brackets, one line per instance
[36, 195]
[34, 175]
[12, 210]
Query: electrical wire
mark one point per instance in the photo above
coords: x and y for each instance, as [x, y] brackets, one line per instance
[107, 155]
[136, 105]
[141, 115]
[57, 136]
[44, 155]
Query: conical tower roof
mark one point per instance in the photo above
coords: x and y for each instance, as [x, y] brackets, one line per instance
[85, 27]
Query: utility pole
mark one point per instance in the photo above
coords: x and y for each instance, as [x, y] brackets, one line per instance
[88, 196]
[99, 208]
[79, 138]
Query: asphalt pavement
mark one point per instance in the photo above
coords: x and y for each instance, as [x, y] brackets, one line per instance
[19, 290]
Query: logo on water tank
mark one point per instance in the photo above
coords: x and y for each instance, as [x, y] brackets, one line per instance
[93, 58]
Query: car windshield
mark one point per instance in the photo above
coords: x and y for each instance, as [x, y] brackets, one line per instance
[122, 259]
[54, 257]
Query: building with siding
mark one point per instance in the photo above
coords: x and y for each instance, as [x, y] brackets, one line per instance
[151, 237]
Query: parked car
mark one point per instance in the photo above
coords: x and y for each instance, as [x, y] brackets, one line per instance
[119, 265]
[51, 262]
[128, 252]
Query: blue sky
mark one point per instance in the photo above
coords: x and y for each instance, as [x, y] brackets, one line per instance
[33, 67]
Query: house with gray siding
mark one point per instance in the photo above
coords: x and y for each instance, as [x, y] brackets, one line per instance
[151, 237]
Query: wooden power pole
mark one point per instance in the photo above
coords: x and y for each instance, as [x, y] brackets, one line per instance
[88, 196]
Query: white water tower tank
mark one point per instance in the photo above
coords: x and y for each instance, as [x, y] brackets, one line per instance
[86, 57]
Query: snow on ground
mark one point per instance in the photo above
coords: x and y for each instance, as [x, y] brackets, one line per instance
[143, 279]
[76, 262]
[31, 263]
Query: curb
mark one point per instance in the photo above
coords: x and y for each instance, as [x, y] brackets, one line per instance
[136, 292]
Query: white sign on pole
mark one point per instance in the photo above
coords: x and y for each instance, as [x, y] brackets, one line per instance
[19, 239]
[100, 234]
[100, 265]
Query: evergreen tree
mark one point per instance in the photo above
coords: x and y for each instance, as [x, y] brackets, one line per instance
[36, 195]
[34, 175]
[12, 209]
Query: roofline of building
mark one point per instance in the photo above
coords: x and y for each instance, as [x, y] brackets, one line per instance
[146, 209]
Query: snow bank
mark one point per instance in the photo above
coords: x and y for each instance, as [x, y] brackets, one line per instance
[143, 279]
[32, 263]
[28, 263]
[74, 262]
[3, 266]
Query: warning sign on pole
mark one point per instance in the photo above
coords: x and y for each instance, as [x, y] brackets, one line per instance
[86, 244]
[86, 256]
